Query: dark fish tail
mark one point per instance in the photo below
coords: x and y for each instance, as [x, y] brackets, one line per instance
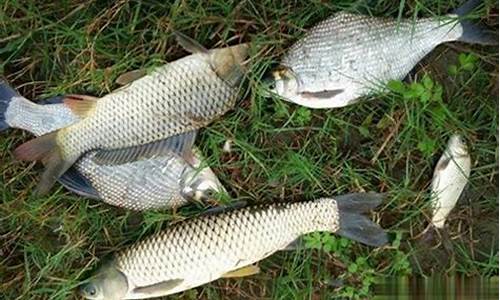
[356, 226]
[7, 93]
[474, 33]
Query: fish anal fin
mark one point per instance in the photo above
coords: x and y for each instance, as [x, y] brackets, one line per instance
[180, 144]
[158, 289]
[243, 272]
[189, 44]
[326, 94]
[130, 76]
[80, 105]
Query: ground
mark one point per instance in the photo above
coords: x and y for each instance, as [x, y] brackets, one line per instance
[387, 143]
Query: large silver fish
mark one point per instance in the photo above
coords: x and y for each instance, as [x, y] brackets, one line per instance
[450, 177]
[157, 113]
[165, 181]
[228, 244]
[348, 56]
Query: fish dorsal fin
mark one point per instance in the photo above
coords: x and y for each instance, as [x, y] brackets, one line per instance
[189, 44]
[80, 105]
[130, 76]
[243, 272]
[78, 184]
[180, 144]
[158, 289]
[326, 94]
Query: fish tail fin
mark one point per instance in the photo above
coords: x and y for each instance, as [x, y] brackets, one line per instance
[45, 149]
[474, 33]
[7, 93]
[354, 225]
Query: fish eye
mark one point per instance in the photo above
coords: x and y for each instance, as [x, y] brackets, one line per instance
[210, 193]
[89, 290]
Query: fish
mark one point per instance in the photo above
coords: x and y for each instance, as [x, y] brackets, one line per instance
[227, 244]
[451, 175]
[166, 181]
[157, 113]
[348, 56]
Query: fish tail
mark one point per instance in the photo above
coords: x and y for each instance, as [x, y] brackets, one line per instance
[46, 149]
[7, 94]
[356, 226]
[474, 33]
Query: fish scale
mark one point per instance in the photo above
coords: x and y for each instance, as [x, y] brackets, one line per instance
[348, 56]
[221, 243]
[198, 88]
[359, 60]
[140, 185]
[151, 122]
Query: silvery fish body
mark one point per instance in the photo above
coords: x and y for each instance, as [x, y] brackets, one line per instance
[347, 56]
[199, 250]
[151, 115]
[450, 177]
[162, 182]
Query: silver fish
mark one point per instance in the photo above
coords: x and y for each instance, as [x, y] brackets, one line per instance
[348, 56]
[450, 177]
[165, 181]
[159, 112]
[227, 244]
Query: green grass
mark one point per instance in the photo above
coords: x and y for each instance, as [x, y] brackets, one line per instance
[388, 143]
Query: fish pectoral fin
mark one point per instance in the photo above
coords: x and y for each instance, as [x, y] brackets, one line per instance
[130, 76]
[77, 183]
[189, 44]
[158, 289]
[326, 94]
[180, 144]
[442, 164]
[243, 272]
[80, 105]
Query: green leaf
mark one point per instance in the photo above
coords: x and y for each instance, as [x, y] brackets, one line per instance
[396, 86]
[453, 70]
[426, 96]
[427, 146]
[437, 94]
[352, 268]
[427, 81]
[364, 131]
[302, 116]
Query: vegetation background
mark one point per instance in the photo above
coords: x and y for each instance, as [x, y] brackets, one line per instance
[387, 143]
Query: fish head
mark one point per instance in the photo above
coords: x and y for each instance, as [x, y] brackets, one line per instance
[201, 185]
[457, 145]
[108, 284]
[229, 62]
[283, 82]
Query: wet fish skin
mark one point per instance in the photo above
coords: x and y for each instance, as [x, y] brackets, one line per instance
[178, 98]
[348, 56]
[450, 178]
[199, 250]
[156, 183]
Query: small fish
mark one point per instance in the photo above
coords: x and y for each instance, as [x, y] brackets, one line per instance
[227, 244]
[450, 177]
[165, 181]
[348, 56]
[157, 113]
